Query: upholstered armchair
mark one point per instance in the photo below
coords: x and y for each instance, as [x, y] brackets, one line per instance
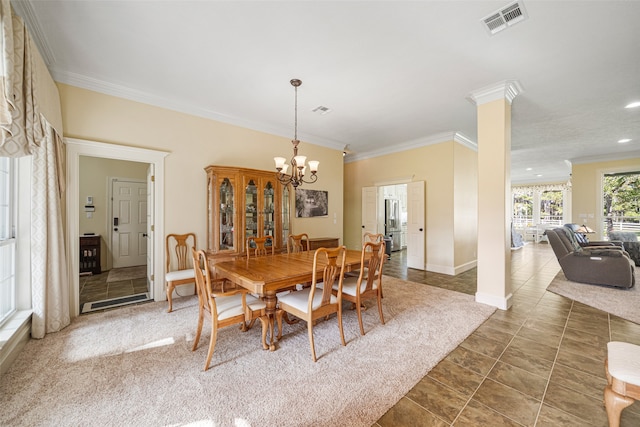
[597, 265]
[629, 241]
[584, 241]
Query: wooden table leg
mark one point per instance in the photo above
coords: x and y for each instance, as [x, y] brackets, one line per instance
[268, 320]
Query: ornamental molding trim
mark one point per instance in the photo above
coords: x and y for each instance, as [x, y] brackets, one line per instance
[507, 89]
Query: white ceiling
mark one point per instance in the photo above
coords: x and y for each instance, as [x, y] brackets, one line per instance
[394, 74]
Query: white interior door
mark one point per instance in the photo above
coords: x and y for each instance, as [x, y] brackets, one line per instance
[369, 210]
[416, 234]
[129, 223]
[150, 229]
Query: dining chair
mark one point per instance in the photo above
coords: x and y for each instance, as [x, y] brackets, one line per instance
[297, 243]
[318, 301]
[366, 237]
[368, 284]
[257, 246]
[178, 271]
[372, 237]
[226, 305]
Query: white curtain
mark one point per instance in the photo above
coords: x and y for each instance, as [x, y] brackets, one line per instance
[49, 287]
[24, 132]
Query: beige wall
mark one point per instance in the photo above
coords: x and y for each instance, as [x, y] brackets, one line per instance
[46, 92]
[434, 164]
[195, 143]
[465, 197]
[586, 191]
[94, 175]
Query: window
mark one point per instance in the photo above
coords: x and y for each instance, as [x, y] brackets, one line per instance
[7, 238]
[621, 202]
[551, 207]
[540, 206]
[522, 209]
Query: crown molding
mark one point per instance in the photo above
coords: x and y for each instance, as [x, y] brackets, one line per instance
[416, 143]
[507, 89]
[606, 157]
[96, 85]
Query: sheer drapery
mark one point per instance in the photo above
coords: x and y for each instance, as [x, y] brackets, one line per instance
[24, 132]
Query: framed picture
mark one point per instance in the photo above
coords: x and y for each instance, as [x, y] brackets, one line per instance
[311, 203]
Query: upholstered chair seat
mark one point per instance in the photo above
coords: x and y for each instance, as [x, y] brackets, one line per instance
[623, 379]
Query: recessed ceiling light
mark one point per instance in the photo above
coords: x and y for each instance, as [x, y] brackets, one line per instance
[529, 169]
[622, 141]
[539, 175]
[633, 105]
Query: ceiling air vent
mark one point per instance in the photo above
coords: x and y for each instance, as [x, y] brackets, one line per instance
[505, 17]
[321, 110]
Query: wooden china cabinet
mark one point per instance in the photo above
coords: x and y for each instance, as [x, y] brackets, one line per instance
[242, 203]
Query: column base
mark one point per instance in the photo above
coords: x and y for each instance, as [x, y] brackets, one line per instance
[503, 303]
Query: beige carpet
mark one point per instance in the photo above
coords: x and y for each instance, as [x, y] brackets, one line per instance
[134, 366]
[623, 303]
[127, 273]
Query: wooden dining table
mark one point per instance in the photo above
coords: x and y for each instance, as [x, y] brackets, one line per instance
[266, 275]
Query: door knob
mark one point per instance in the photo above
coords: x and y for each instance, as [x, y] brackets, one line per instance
[144, 234]
[421, 229]
[115, 229]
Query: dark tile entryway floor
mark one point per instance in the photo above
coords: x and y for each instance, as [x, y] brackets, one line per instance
[540, 363]
[95, 288]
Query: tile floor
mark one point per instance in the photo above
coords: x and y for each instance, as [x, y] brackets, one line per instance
[95, 288]
[540, 363]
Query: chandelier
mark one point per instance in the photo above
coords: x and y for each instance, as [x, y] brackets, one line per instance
[298, 167]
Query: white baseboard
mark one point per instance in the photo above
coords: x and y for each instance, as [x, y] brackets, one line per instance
[452, 271]
[503, 303]
[466, 267]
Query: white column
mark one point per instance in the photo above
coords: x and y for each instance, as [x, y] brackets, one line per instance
[494, 192]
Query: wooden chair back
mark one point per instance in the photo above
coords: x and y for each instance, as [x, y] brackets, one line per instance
[178, 247]
[371, 269]
[297, 243]
[203, 280]
[371, 237]
[332, 274]
[257, 246]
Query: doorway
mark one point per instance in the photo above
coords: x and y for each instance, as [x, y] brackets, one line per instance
[116, 222]
[154, 162]
[409, 220]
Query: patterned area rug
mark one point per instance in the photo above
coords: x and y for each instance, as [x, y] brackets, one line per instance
[620, 302]
[127, 273]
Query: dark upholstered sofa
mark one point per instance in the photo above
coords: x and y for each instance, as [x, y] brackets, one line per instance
[597, 265]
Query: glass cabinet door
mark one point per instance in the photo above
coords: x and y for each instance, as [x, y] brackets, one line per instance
[285, 215]
[269, 222]
[226, 215]
[251, 210]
